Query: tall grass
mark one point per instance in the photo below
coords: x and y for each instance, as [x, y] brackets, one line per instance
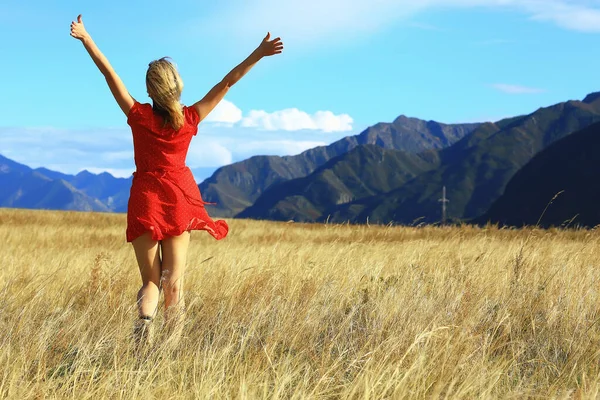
[296, 311]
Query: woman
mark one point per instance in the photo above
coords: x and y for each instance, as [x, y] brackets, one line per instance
[165, 203]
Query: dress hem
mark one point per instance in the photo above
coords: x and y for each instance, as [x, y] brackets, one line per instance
[219, 229]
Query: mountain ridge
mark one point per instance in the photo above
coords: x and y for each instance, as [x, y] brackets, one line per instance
[475, 175]
[390, 172]
[359, 173]
[237, 186]
[42, 188]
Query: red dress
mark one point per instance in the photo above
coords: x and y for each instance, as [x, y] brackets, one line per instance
[164, 197]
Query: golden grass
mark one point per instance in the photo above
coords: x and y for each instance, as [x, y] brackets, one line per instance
[296, 311]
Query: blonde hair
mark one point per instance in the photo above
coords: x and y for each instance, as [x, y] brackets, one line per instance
[164, 87]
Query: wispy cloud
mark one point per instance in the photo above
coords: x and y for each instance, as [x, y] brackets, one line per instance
[69, 150]
[73, 150]
[319, 22]
[516, 89]
[225, 137]
[578, 15]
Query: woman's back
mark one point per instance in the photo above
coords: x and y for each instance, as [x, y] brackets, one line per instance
[157, 145]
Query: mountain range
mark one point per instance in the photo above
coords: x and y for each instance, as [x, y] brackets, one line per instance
[41, 188]
[237, 186]
[233, 187]
[391, 172]
[475, 172]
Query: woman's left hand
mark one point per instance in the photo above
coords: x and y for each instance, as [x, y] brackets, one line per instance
[270, 47]
[77, 29]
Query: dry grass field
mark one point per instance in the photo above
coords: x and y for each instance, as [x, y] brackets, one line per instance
[295, 311]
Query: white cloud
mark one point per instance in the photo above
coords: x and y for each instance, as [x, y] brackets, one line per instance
[204, 152]
[292, 119]
[225, 112]
[516, 89]
[328, 122]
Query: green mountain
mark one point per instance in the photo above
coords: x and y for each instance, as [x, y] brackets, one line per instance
[559, 186]
[237, 186]
[364, 171]
[476, 170]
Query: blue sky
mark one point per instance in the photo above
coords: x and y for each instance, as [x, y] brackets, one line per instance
[346, 65]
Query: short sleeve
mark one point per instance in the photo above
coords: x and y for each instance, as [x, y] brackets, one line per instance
[192, 116]
[136, 113]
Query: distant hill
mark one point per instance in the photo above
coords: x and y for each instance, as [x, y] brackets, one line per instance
[24, 187]
[237, 186]
[475, 170]
[111, 191]
[571, 167]
[364, 171]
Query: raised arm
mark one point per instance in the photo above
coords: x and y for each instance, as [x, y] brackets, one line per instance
[215, 95]
[115, 83]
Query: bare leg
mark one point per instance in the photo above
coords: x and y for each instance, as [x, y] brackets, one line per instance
[148, 258]
[174, 256]
[174, 250]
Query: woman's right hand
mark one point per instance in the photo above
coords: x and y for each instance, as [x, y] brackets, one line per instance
[270, 47]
